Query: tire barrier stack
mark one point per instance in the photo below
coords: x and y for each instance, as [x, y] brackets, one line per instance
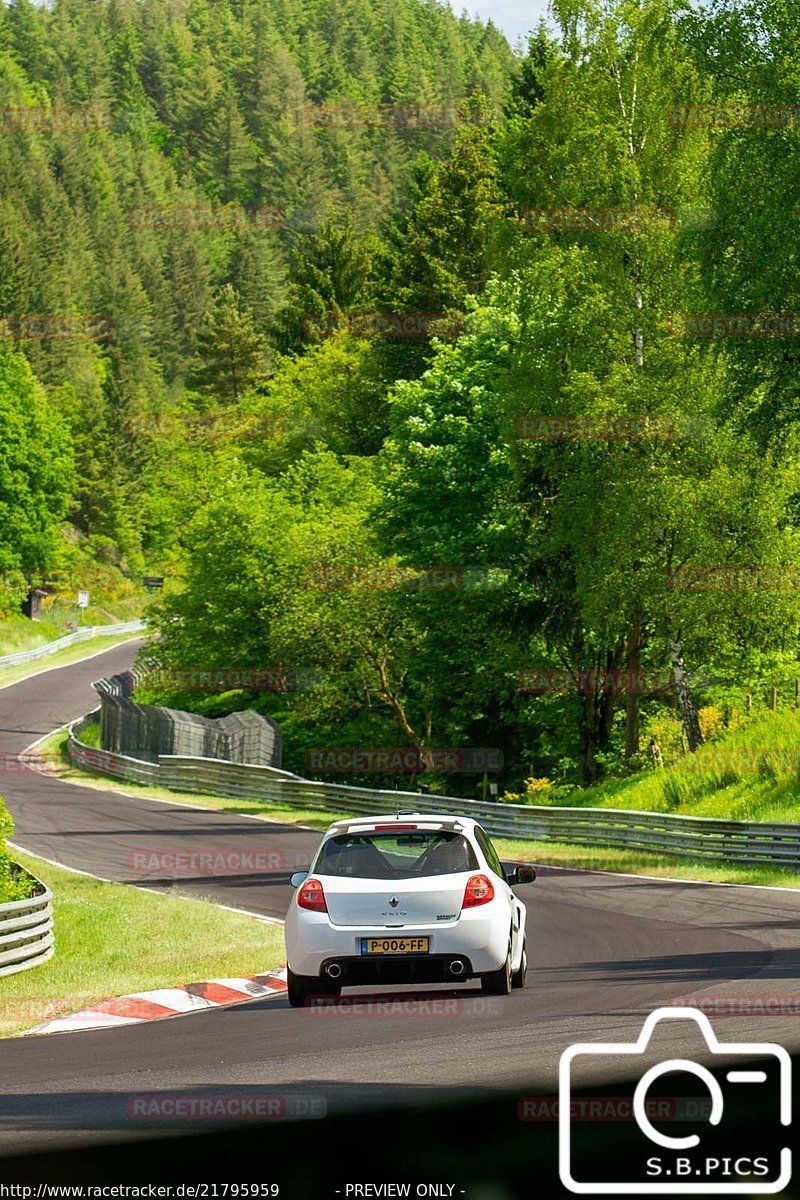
[26, 932]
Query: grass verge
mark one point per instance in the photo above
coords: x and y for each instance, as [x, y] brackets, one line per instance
[548, 853]
[18, 633]
[63, 658]
[112, 939]
[749, 774]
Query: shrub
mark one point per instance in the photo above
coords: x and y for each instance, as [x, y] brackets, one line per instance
[537, 791]
[712, 721]
[13, 885]
[665, 726]
[534, 787]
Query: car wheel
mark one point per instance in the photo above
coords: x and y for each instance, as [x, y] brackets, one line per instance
[300, 987]
[519, 976]
[498, 983]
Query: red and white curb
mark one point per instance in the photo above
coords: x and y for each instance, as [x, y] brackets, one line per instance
[168, 1002]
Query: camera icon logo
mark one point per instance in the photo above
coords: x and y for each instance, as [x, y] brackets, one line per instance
[676, 1170]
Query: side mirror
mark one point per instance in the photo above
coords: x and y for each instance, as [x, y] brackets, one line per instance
[521, 874]
[297, 878]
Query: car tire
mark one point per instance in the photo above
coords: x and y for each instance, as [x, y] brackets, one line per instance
[498, 983]
[299, 988]
[520, 975]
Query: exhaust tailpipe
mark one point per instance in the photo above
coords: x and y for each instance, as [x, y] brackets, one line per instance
[333, 970]
[456, 967]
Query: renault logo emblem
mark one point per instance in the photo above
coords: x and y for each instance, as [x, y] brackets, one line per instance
[394, 901]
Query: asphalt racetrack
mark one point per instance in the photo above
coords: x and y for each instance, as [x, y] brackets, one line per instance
[604, 951]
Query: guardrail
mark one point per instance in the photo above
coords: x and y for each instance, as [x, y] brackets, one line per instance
[749, 843]
[26, 932]
[80, 635]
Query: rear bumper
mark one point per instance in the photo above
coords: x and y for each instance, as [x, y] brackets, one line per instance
[396, 969]
[479, 936]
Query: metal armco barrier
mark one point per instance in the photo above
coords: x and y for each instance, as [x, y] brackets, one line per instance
[749, 843]
[80, 635]
[26, 932]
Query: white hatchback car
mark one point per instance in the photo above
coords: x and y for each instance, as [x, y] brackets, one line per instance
[409, 898]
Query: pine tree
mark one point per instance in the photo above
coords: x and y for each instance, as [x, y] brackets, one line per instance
[330, 274]
[528, 84]
[235, 154]
[446, 249]
[230, 350]
[210, 107]
[258, 274]
[187, 272]
[25, 38]
[131, 107]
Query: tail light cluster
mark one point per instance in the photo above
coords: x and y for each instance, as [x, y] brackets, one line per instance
[312, 897]
[479, 890]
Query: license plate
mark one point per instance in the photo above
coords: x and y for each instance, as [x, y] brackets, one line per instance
[395, 945]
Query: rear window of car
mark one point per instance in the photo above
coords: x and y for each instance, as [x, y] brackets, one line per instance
[492, 860]
[414, 855]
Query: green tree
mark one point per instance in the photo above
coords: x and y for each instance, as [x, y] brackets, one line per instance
[591, 521]
[230, 350]
[749, 250]
[236, 154]
[443, 251]
[36, 470]
[330, 277]
[280, 593]
[333, 395]
[597, 140]
[528, 86]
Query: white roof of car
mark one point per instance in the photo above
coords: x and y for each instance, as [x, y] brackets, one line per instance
[431, 820]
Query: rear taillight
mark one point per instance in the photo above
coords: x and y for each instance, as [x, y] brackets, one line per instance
[312, 897]
[479, 890]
